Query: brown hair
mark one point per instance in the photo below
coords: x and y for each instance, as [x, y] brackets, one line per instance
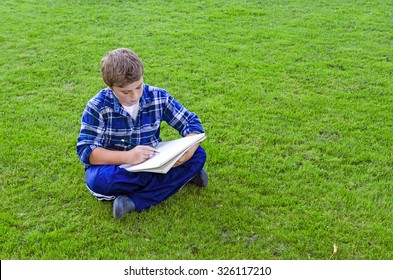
[121, 67]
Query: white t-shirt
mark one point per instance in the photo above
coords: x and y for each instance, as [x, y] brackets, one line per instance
[132, 110]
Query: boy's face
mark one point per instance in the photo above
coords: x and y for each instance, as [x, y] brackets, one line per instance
[129, 94]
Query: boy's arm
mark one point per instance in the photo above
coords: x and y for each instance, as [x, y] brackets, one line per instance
[101, 156]
[177, 116]
[184, 121]
[89, 146]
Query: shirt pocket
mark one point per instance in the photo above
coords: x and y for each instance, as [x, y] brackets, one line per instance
[150, 132]
[119, 134]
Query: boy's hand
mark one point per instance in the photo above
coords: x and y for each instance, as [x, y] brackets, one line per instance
[140, 153]
[188, 154]
[100, 156]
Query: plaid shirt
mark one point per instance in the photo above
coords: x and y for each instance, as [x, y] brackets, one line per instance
[106, 124]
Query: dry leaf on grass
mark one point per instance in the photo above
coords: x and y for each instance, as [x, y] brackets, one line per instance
[335, 249]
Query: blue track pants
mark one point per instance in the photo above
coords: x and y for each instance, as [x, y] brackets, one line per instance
[146, 189]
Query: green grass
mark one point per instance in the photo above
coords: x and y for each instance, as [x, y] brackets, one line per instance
[296, 99]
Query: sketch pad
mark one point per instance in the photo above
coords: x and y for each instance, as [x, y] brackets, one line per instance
[169, 153]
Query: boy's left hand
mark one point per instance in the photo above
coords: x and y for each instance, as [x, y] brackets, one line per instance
[187, 154]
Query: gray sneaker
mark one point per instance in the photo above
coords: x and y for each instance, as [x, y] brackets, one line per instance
[122, 205]
[201, 179]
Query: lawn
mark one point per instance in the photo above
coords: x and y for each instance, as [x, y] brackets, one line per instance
[296, 98]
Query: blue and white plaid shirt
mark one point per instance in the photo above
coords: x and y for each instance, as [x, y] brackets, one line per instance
[106, 124]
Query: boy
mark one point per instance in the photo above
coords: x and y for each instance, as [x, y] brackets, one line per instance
[120, 125]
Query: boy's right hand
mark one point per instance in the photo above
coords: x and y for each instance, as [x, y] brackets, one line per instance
[140, 154]
[101, 156]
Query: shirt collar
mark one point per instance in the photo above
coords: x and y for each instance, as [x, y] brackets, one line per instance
[144, 100]
[116, 104]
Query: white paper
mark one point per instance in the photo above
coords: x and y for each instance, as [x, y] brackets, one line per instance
[169, 152]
